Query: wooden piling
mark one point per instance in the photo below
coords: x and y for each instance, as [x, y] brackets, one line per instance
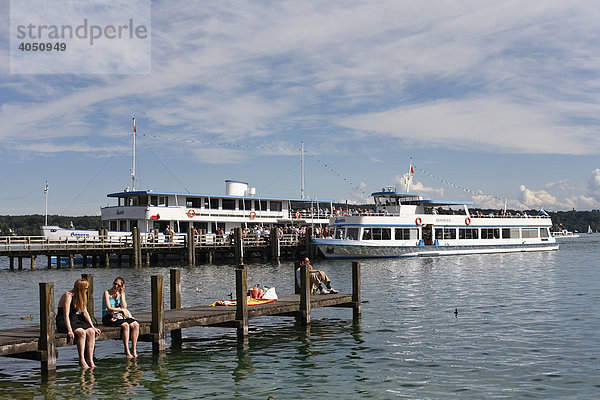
[191, 250]
[11, 262]
[46, 343]
[49, 262]
[136, 245]
[175, 294]
[310, 249]
[71, 260]
[238, 246]
[20, 262]
[157, 326]
[90, 293]
[303, 315]
[356, 311]
[33, 262]
[241, 310]
[107, 260]
[138, 239]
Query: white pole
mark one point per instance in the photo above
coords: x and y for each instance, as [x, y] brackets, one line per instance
[46, 195]
[408, 176]
[133, 160]
[302, 172]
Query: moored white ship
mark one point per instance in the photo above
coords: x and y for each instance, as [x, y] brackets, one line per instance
[406, 224]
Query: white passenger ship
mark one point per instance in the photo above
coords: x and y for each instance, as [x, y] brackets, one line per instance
[208, 213]
[405, 224]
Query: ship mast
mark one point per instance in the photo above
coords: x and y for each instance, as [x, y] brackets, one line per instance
[133, 159]
[302, 172]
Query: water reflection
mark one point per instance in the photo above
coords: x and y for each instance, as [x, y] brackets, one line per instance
[132, 376]
[87, 381]
[244, 364]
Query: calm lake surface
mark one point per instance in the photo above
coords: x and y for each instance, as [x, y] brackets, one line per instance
[527, 327]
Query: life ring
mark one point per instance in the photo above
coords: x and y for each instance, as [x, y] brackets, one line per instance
[191, 213]
[298, 215]
[252, 215]
[468, 221]
[418, 221]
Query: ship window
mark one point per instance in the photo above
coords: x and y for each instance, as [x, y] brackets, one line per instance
[449, 233]
[366, 234]
[382, 233]
[143, 200]
[439, 233]
[544, 232]
[132, 224]
[468, 233]
[490, 233]
[262, 204]
[530, 233]
[214, 204]
[123, 225]
[112, 225]
[406, 234]
[275, 206]
[352, 233]
[228, 204]
[247, 204]
[339, 233]
[510, 233]
[153, 200]
[163, 201]
[193, 202]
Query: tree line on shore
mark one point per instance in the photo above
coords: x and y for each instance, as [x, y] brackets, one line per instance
[29, 225]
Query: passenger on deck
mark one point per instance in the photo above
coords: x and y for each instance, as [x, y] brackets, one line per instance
[76, 321]
[115, 313]
[317, 279]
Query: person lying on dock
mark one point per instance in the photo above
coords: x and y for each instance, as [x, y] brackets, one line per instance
[115, 313]
[317, 279]
[78, 322]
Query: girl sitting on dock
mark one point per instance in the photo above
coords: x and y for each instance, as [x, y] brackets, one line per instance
[115, 313]
[78, 322]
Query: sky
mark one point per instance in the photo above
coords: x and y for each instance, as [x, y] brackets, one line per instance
[494, 102]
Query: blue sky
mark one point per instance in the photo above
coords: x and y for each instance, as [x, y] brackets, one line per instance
[500, 98]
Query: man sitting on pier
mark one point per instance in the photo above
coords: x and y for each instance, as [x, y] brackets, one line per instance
[317, 279]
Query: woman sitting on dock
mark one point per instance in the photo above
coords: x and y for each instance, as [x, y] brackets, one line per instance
[115, 313]
[78, 322]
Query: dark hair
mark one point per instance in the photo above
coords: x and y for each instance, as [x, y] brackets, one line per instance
[118, 278]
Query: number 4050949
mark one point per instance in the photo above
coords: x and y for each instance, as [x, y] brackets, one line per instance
[58, 46]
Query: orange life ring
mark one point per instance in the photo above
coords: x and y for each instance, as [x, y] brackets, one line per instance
[298, 215]
[191, 213]
[468, 221]
[252, 215]
[418, 221]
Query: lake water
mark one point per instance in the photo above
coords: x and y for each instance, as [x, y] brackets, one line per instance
[527, 327]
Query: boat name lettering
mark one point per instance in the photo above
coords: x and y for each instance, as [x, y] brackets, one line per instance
[338, 220]
[80, 235]
[443, 220]
[120, 212]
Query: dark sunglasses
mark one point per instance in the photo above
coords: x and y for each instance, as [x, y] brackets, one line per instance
[118, 284]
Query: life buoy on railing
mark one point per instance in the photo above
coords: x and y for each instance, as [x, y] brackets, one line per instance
[468, 221]
[298, 215]
[252, 215]
[418, 221]
[191, 213]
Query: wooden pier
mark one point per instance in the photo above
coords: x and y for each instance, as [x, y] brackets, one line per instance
[41, 342]
[142, 250]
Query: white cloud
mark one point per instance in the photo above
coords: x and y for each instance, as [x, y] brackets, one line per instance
[594, 185]
[416, 186]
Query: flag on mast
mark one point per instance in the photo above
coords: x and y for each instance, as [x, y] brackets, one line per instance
[134, 130]
[412, 170]
[46, 188]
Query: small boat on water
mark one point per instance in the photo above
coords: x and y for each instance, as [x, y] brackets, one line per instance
[563, 233]
[406, 224]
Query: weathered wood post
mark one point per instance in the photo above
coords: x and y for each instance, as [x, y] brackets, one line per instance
[71, 260]
[241, 290]
[49, 262]
[46, 344]
[94, 261]
[138, 238]
[190, 246]
[157, 326]
[239, 246]
[136, 246]
[20, 262]
[33, 262]
[90, 292]
[304, 314]
[275, 250]
[310, 249]
[175, 294]
[356, 290]
[84, 260]
[58, 262]
[11, 262]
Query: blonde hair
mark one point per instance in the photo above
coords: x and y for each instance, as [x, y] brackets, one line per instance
[80, 294]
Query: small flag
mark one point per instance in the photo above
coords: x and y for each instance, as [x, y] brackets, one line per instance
[134, 130]
[46, 188]
[412, 170]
